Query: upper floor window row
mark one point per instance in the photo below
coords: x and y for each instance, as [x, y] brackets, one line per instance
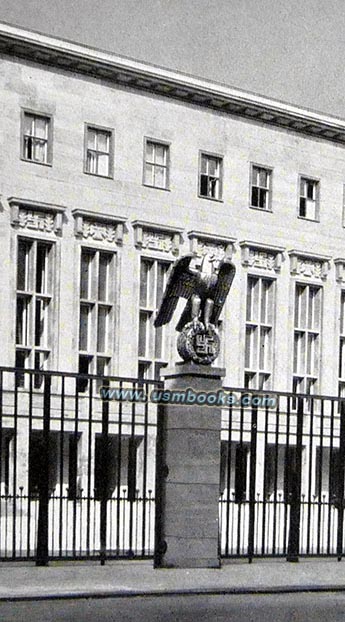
[37, 139]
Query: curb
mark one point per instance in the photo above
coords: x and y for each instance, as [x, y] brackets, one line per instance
[279, 589]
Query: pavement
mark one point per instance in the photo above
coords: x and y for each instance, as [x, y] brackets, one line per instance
[61, 580]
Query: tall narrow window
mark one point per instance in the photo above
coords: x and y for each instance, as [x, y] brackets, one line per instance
[307, 338]
[156, 168]
[259, 332]
[36, 138]
[99, 151]
[97, 294]
[260, 187]
[210, 176]
[152, 346]
[309, 199]
[34, 305]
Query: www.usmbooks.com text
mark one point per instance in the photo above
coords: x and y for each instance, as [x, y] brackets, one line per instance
[188, 397]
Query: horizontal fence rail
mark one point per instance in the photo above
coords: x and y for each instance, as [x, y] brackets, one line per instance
[77, 470]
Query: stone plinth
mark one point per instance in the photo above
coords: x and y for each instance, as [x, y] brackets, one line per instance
[188, 469]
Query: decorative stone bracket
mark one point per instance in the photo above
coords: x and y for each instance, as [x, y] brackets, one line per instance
[156, 237]
[263, 256]
[202, 243]
[309, 265]
[339, 269]
[36, 216]
[98, 227]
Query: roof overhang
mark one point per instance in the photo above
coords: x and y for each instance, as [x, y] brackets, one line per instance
[82, 59]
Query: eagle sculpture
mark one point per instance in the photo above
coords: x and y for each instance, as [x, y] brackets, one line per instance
[205, 289]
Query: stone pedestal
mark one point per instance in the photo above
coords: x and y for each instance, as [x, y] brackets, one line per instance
[188, 471]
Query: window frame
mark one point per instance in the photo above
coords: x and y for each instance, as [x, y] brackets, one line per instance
[111, 132]
[167, 145]
[259, 327]
[148, 363]
[30, 293]
[317, 183]
[219, 157]
[94, 304]
[43, 115]
[268, 169]
[306, 378]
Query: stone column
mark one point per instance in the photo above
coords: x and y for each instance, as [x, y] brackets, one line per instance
[188, 470]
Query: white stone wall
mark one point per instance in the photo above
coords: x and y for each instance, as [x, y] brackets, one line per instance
[74, 100]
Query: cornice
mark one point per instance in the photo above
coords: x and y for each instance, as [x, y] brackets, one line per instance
[56, 52]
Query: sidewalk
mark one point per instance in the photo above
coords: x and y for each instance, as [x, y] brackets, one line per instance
[138, 578]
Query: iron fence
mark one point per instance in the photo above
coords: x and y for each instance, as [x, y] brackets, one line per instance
[282, 476]
[77, 466]
[77, 470]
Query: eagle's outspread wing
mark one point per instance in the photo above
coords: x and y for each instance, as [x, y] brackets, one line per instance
[226, 275]
[182, 282]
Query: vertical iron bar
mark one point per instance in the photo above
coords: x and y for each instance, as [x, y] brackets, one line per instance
[311, 446]
[295, 508]
[62, 436]
[104, 473]
[228, 481]
[14, 487]
[264, 492]
[161, 471]
[253, 443]
[143, 530]
[42, 557]
[341, 472]
[330, 476]
[89, 449]
[28, 483]
[118, 478]
[319, 491]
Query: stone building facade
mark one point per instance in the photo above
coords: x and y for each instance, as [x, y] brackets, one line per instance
[111, 169]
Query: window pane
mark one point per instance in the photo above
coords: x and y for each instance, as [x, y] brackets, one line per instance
[149, 151]
[204, 164]
[255, 196]
[28, 124]
[41, 126]
[103, 164]
[162, 270]
[91, 138]
[250, 288]
[22, 322]
[42, 274]
[145, 269]
[39, 151]
[142, 333]
[160, 176]
[103, 141]
[103, 279]
[311, 190]
[160, 154]
[85, 275]
[23, 265]
[84, 327]
[91, 162]
[204, 185]
[149, 172]
[213, 167]
[263, 178]
[102, 328]
[41, 323]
